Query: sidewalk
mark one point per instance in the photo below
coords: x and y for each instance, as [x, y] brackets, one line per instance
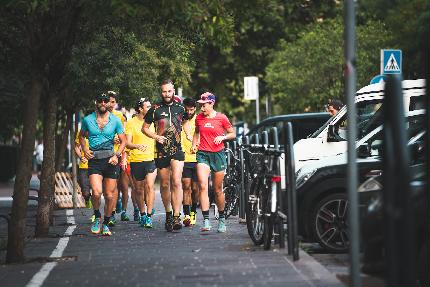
[134, 256]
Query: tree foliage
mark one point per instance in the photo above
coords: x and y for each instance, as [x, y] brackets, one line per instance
[305, 73]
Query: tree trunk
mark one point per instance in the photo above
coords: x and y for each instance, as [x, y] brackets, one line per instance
[16, 233]
[47, 179]
[64, 141]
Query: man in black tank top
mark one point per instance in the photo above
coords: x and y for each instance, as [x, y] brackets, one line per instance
[167, 118]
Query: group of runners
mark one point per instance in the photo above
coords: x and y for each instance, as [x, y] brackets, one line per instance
[168, 139]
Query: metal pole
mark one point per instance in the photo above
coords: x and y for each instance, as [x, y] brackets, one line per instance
[74, 168]
[257, 109]
[350, 89]
[290, 223]
[292, 188]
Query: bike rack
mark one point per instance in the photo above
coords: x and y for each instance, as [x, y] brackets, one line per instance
[399, 242]
[244, 190]
[293, 244]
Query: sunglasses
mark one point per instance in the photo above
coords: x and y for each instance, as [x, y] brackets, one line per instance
[102, 100]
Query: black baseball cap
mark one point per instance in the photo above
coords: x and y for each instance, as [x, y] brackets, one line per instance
[102, 97]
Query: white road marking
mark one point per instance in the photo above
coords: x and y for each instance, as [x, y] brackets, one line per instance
[43, 273]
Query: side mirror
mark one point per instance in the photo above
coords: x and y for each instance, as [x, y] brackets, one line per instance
[332, 135]
[364, 151]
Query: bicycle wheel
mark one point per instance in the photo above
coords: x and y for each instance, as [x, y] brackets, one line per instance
[254, 212]
[231, 194]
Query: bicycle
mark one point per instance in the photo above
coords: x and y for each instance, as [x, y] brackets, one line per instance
[231, 186]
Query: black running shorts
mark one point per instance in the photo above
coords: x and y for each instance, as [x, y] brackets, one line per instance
[103, 167]
[164, 162]
[190, 171]
[139, 170]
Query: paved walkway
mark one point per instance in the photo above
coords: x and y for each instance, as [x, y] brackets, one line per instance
[135, 256]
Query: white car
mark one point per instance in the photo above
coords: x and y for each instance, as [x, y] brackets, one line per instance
[331, 140]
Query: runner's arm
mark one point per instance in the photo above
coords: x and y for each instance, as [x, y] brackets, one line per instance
[131, 145]
[82, 140]
[147, 131]
[196, 140]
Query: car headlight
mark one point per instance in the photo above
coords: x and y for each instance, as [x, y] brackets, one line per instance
[304, 177]
[370, 185]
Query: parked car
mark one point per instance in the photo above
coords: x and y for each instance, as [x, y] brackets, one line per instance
[303, 125]
[330, 139]
[322, 187]
[373, 224]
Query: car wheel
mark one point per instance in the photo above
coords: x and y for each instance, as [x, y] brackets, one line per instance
[329, 222]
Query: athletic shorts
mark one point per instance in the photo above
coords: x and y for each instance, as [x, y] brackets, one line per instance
[103, 167]
[215, 160]
[190, 170]
[83, 180]
[139, 170]
[164, 162]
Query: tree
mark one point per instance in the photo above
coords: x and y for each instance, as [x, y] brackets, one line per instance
[305, 73]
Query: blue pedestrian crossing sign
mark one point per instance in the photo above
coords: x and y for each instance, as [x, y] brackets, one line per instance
[391, 61]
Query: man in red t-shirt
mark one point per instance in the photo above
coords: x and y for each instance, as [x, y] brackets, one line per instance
[212, 129]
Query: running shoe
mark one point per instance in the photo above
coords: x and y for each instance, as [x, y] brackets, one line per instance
[193, 216]
[112, 221]
[93, 218]
[206, 226]
[88, 204]
[143, 220]
[148, 223]
[187, 220]
[124, 216]
[96, 227]
[169, 222]
[136, 214]
[106, 231]
[177, 224]
[118, 207]
[221, 225]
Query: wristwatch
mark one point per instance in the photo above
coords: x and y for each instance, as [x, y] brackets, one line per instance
[118, 155]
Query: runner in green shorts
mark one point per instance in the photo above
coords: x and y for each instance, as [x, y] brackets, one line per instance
[212, 129]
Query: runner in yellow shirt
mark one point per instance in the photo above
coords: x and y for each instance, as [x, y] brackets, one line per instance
[123, 181]
[189, 174]
[83, 179]
[143, 169]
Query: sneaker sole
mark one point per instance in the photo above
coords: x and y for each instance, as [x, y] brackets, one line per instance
[106, 234]
[205, 229]
[177, 226]
[222, 231]
[95, 232]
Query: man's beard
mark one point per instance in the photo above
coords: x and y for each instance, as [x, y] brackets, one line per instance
[190, 116]
[168, 101]
[101, 111]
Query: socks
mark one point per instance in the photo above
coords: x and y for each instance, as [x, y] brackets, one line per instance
[205, 214]
[106, 220]
[142, 213]
[194, 207]
[169, 214]
[186, 209]
[97, 213]
[221, 213]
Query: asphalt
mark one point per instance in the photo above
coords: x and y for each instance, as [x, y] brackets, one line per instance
[134, 256]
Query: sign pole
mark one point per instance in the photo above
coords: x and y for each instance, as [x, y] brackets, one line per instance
[350, 89]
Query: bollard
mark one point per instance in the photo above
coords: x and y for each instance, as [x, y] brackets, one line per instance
[243, 194]
[227, 146]
[265, 138]
[399, 242]
[293, 244]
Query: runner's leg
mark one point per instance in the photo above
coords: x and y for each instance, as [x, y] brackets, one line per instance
[177, 192]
